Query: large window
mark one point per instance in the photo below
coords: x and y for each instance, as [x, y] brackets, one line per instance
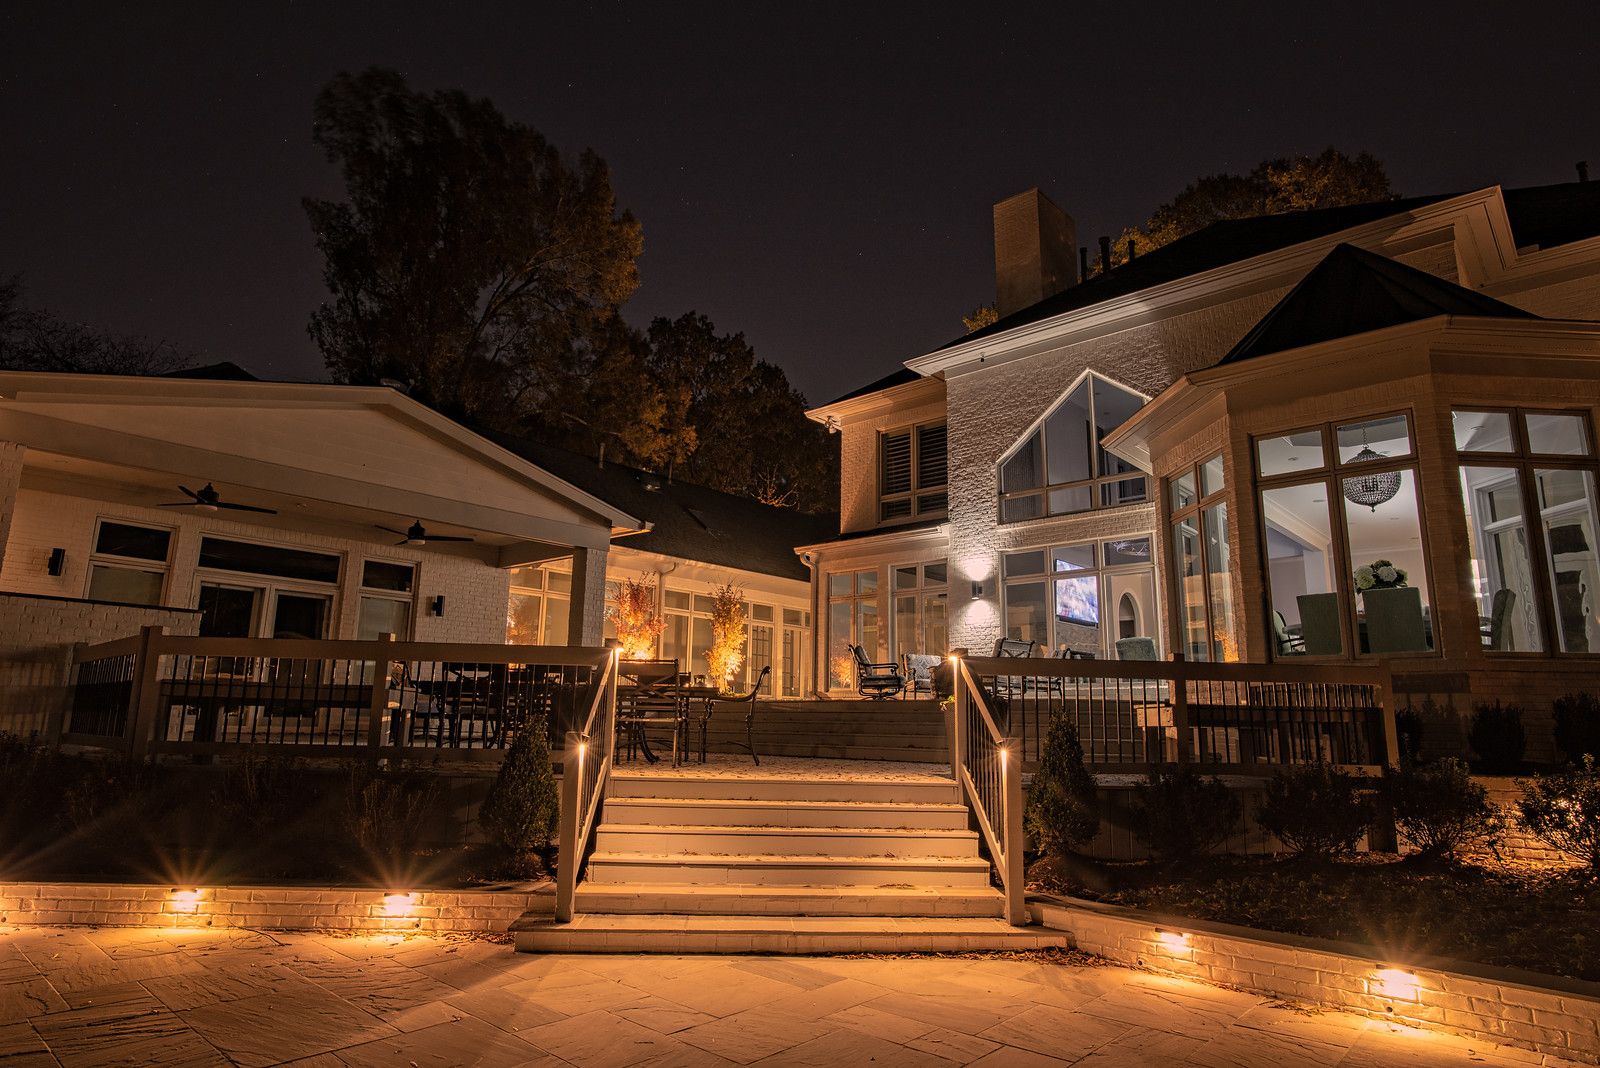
[129, 564]
[1202, 562]
[252, 589]
[1081, 599]
[538, 611]
[1341, 519]
[852, 619]
[1528, 487]
[913, 470]
[1060, 468]
[921, 601]
[796, 643]
[386, 593]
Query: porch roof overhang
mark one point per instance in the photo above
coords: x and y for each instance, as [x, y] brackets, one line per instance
[870, 539]
[337, 458]
[1455, 344]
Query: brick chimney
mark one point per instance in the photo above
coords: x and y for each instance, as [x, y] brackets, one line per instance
[1035, 244]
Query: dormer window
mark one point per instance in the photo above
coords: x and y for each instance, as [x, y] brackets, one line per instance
[1060, 468]
[913, 470]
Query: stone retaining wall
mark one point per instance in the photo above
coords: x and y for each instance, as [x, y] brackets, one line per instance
[271, 907]
[1559, 1017]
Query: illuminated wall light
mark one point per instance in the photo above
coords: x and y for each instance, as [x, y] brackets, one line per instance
[398, 905]
[184, 902]
[1173, 940]
[1396, 984]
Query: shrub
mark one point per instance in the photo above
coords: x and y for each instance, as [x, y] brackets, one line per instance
[1062, 813]
[1316, 810]
[259, 795]
[1497, 737]
[1180, 816]
[519, 814]
[1562, 809]
[386, 809]
[1439, 809]
[1577, 718]
[1408, 731]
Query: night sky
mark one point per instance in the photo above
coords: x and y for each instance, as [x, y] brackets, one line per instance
[816, 176]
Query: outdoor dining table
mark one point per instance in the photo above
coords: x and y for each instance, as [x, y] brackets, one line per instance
[687, 694]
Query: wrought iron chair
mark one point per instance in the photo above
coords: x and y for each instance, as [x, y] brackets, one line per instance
[749, 700]
[876, 681]
[654, 700]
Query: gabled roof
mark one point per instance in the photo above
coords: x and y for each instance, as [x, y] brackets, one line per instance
[688, 522]
[888, 381]
[1353, 291]
[226, 371]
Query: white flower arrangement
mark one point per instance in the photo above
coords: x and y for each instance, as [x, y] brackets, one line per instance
[1379, 575]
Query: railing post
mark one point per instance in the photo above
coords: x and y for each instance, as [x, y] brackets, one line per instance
[956, 716]
[378, 703]
[1016, 902]
[1391, 736]
[572, 755]
[1180, 710]
[145, 698]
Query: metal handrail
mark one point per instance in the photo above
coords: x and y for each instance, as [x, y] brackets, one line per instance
[990, 782]
[585, 772]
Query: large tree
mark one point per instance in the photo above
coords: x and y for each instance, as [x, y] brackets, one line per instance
[745, 422]
[1330, 179]
[32, 339]
[469, 259]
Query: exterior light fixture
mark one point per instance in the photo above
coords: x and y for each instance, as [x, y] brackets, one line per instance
[1173, 939]
[1396, 984]
[437, 605]
[397, 906]
[184, 902]
[977, 591]
[57, 563]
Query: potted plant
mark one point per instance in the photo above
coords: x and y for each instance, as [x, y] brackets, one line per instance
[726, 655]
[636, 619]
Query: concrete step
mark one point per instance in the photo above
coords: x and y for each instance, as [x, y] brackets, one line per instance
[730, 812]
[923, 786]
[681, 899]
[785, 842]
[776, 934]
[765, 869]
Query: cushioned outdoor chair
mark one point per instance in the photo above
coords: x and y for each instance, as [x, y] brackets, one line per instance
[1136, 649]
[919, 672]
[876, 681]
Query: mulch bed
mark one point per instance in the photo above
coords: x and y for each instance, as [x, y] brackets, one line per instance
[1492, 913]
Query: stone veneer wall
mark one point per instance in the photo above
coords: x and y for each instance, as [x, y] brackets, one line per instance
[284, 908]
[1559, 1017]
[36, 639]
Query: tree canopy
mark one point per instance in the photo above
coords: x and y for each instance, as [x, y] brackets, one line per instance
[469, 260]
[1330, 179]
[475, 264]
[32, 339]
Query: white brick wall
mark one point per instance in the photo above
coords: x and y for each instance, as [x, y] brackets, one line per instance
[36, 639]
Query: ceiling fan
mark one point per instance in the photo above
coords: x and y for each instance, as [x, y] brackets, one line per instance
[209, 500]
[417, 534]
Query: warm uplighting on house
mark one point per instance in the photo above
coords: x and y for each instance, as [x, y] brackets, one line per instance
[183, 902]
[1396, 984]
[398, 906]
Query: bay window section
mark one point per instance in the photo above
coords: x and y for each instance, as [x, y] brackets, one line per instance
[1301, 579]
[1387, 566]
[1202, 561]
[1060, 468]
[1534, 579]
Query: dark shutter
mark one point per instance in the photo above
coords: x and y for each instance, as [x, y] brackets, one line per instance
[897, 462]
[932, 466]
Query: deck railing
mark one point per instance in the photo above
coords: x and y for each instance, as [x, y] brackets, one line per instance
[158, 693]
[989, 776]
[1234, 718]
[585, 775]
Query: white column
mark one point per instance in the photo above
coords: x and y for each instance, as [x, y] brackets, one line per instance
[586, 619]
[11, 455]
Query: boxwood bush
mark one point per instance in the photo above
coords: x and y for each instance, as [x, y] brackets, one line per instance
[1181, 816]
[1316, 810]
[1439, 810]
[1562, 809]
[1062, 813]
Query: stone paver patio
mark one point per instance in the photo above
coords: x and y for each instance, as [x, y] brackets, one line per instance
[128, 996]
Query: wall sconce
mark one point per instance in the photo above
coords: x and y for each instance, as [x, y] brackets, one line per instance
[58, 562]
[977, 591]
[436, 606]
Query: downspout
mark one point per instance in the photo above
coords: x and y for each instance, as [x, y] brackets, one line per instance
[816, 624]
[661, 599]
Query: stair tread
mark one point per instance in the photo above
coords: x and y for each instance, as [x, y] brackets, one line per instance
[784, 831]
[755, 889]
[736, 924]
[787, 803]
[806, 859]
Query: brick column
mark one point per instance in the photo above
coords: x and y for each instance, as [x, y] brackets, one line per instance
[586, 619]
[11, 455]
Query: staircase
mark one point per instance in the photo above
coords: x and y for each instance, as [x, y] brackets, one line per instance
[793, 857]
[857, 730]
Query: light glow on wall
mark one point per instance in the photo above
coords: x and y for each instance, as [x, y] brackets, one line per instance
[397, 906]
[1173, 940]
[1396, 984]
[183, 902]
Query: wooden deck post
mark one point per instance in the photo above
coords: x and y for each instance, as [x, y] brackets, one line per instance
[1016, 897]
[145, 699]
[567, 863]
[378, 704]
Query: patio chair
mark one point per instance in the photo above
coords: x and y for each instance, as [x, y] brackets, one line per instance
[876, 681]
[749, 701]
[653, 701]
[1136, 648]
[919, 672]
[1015, 647]
[1497, 630]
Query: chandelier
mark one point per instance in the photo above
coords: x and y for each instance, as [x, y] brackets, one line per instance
[1371, 490]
